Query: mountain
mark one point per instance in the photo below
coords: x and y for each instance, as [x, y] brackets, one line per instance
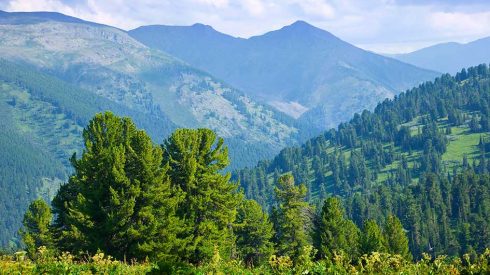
[21, 18]
[301, 70]
[449, 57]
[111, 64]
[414, 156]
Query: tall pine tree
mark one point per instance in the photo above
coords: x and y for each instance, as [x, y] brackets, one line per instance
[334, 233]
[197, 159]
[254, 233]
[396, 238]
[372, 239]
[36, 231]
[294, 217]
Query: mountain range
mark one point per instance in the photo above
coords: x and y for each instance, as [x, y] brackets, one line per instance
[449, 57]
[303, 71]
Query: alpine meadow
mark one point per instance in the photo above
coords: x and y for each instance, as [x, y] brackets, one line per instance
[242, 137]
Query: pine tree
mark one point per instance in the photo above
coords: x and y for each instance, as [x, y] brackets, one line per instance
[294, 217]
[197, 159]
[372, 239]
[119, 199]
[254, 233]
[396, 238]
[334, 233]
[36, 231]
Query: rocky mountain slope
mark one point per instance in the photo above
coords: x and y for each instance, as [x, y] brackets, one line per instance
[301, 70]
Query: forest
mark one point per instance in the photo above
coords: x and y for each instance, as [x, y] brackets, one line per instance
[393, 191]
[422, 156]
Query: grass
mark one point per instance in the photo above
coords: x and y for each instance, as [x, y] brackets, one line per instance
[462, 142]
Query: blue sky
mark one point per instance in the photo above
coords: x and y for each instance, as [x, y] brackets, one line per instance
[387, 26]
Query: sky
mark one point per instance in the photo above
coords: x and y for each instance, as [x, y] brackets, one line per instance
[383, 26]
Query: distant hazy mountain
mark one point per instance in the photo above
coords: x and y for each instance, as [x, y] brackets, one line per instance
[111, 64]
[300, 69]
[450, 57]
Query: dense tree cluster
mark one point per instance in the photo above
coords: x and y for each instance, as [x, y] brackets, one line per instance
[132, 199]
[387, 162]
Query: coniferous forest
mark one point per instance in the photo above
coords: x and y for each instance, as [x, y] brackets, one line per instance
[404, 189]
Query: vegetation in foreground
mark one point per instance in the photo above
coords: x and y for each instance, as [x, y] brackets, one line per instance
[374, 263]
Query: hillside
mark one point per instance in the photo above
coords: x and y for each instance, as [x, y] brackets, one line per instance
[449, 57]
[402, 158]
[109, 63]
[301, 70]
[42, 120]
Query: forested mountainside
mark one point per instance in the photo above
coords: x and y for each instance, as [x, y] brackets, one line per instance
[42, 118]
[301, 70]
[449, 57]
[170, 209]
[422, 156]
[109, 63]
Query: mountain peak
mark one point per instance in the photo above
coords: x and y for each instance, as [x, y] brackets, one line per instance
[303, 27]
[302, 24]
[201, 26]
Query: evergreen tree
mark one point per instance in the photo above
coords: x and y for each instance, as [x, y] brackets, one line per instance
[254, 233]
[396, 239]
[119, 199]
[294, 217]
[36, 231]
[334, 233]
[372, 239]
[197, 159]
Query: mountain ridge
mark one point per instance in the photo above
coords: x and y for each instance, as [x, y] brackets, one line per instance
[315, 63]
[449, 57]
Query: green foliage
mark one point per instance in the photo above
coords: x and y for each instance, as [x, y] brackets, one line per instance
[396, 238]
[254, 233]
[400, 159]
[196, 159]
[66, 264]
[335, 234]
[294, 217]
[131, 198]
[372, 239]
[36, 231]
[120, 198]
[375, 263]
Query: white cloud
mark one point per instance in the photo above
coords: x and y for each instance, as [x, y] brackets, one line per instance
[214, 3]
[456, 23]
[317, 8]
[254, 7]
[39, 5]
